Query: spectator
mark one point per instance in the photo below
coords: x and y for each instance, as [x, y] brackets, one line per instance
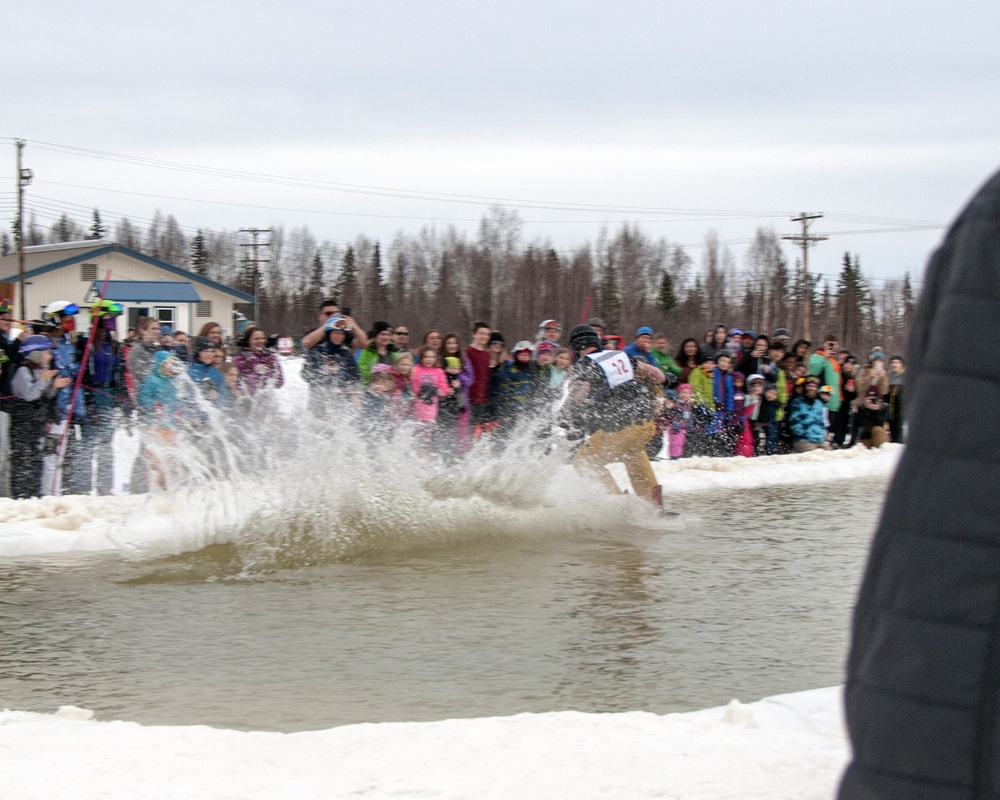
[331, 308]
[718, 340]
[380, 349]
[897, 371]
[689, 356]
[258, 367]
[642, 346]
[806, 419]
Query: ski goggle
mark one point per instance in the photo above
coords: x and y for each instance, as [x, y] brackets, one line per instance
[106, 307]
[67, 311]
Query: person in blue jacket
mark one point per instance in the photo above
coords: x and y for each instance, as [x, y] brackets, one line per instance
[806, 419]
[204, 374]
[641, 348]
[157, 400]
[330, 364]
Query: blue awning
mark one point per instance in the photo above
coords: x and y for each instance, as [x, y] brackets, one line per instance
[147, 291]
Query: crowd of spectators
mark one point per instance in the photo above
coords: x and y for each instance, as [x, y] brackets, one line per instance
[731, 392]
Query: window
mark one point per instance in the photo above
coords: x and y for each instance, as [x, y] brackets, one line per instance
[166, 315]
[88, 272]
[204, 309]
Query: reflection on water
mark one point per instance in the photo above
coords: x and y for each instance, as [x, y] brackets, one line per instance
[752, 598]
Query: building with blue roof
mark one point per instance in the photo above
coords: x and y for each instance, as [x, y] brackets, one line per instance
[145, 286]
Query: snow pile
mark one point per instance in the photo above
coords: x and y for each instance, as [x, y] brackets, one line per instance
[818, 466]
[789, 746]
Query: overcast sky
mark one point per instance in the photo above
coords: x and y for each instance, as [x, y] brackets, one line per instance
[884, 111]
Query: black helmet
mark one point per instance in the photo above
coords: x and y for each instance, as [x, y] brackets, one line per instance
[582, 337]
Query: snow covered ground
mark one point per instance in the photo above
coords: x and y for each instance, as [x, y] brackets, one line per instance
[789, 746]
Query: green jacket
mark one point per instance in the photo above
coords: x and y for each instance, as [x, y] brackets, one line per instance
[820, 366]
[666, 362]
[782, 383]
[704, 392]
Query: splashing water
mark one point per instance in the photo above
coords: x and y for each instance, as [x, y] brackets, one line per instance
[285, 490]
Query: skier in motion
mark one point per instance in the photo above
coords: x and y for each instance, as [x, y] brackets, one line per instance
[611, 403]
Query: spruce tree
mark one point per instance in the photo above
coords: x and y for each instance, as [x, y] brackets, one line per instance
[97, 229]
[668, 300]
[346, 288]
[199, 254]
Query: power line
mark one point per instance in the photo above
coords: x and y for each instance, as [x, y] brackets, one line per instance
[384, 191]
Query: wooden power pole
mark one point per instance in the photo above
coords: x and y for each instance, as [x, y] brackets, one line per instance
[256, 261]
[805, 240]
[23, 179]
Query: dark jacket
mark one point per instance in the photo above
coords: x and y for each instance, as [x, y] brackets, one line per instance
[923, 676]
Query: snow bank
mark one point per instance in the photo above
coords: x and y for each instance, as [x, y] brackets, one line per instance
[788, 746]
[819, 466]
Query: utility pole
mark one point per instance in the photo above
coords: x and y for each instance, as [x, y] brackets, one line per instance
[256, 261]
[805, 240]
[24, 177]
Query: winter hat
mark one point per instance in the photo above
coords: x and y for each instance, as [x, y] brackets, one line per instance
[897, 358]
[582, 337]
[496, 336]
[596, 322]
[782, 332]
[35, 343]
[523, 346]
[452, 362]
[755, 377]
[201, 343]
[544, 347]
[812, 379]
[727, 353]
[876, 352]
[645, 330]
[738, 376]
[685, 386]
[826, 389]
[378, 326]
[770, 387]
[166, 330]
[751, 335]
[381, 368]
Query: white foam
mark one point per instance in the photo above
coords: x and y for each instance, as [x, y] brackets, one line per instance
[789, 746]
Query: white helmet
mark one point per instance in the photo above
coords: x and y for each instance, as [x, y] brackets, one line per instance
[61, 308]
[546, 324]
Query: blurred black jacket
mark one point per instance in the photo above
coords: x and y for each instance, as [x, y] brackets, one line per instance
[923, 675]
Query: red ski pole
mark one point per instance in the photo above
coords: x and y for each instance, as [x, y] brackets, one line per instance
[64, 439]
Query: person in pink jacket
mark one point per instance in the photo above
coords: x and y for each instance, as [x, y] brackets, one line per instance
[429, 384]
[258, 367]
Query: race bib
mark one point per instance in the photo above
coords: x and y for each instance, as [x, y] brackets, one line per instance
[615, 364]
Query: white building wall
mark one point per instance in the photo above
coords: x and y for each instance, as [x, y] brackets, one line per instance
[67, 284]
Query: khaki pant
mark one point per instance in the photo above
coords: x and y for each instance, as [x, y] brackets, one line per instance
[627, 446]
[808, 447]
[879, 438]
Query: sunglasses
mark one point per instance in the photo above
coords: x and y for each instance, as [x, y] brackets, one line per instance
[401, 333]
